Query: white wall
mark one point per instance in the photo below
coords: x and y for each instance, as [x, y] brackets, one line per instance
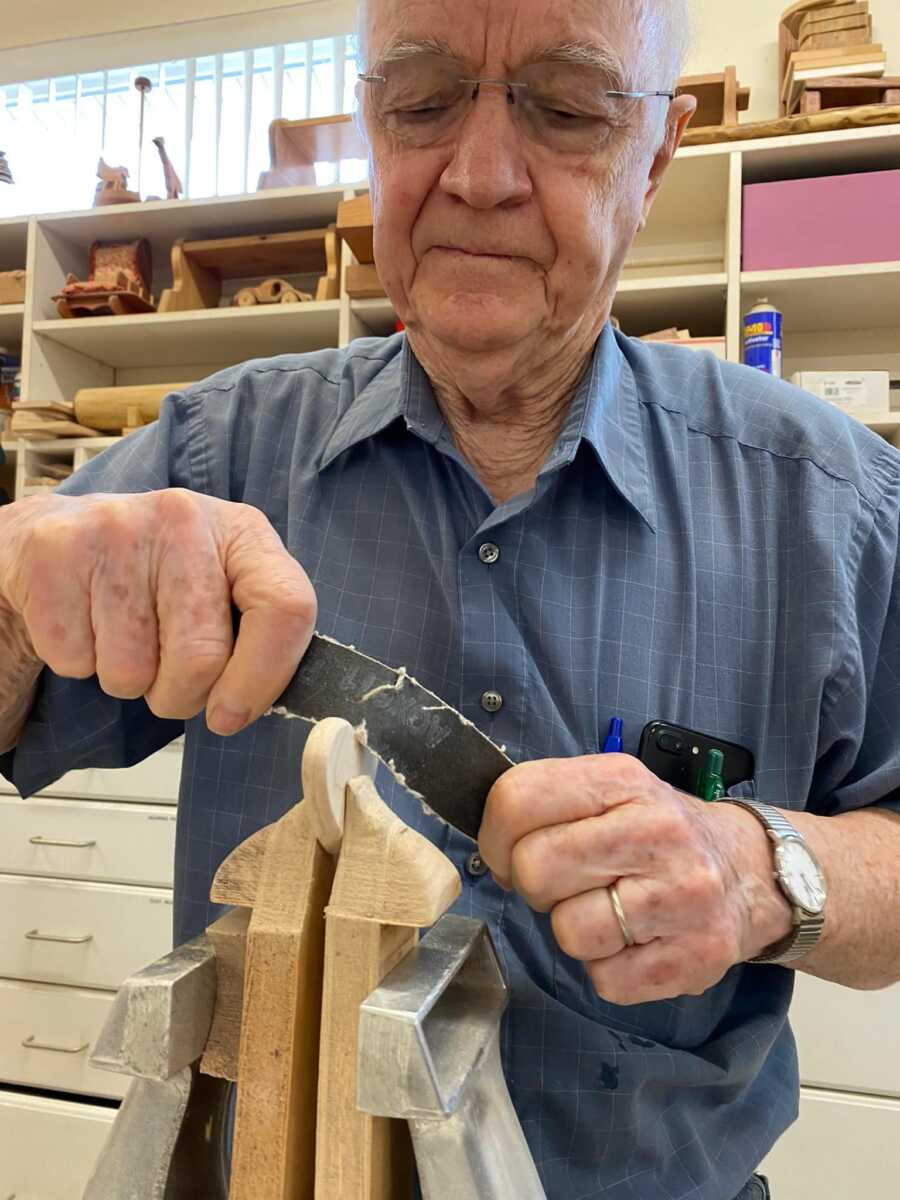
[745, 32]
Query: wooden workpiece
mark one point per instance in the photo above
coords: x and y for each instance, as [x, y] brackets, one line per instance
[389, 882]
[828, 120]
[325, 928]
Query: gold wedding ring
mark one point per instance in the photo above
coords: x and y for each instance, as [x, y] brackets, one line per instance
[620, 915]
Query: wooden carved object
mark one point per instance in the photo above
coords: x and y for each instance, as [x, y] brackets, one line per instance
[864, 117]
[200, 268]
[830, 35]
[118, 282]
[296, 146]
[337, 888]
[115, 409]
[819, 95]
[719, 98]
[270, 291]
[174, 188]
[113, 186]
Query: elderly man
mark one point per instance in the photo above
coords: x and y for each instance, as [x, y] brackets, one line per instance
[549, 525]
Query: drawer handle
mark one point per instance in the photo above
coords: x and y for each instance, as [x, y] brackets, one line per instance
[31, 1044]
[35, 935]
[43, 841]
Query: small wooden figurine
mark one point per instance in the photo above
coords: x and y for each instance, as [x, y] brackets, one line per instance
[118, 282]
[174, 188]
[113, 186]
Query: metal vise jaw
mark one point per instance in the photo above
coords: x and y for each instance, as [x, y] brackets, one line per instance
[167, 1141]
[429, 1052]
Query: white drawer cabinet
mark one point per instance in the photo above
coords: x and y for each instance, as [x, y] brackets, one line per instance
[47, 1034]
[77, 839]
[847, 1040]
[153, 781]
[842, 1148]
[48, 1147]
[114, 930]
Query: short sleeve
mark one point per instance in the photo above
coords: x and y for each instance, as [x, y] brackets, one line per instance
[73, 723]
[859, 750]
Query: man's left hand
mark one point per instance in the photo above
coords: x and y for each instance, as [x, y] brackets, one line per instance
[694, 880]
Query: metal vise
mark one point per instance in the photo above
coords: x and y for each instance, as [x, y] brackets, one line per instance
[429, 1052]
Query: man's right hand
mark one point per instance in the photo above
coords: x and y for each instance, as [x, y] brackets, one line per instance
[138, 589]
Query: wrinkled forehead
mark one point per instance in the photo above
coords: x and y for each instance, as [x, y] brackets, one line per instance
[506, 34]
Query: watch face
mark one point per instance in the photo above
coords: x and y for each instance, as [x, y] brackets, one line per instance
[801, 875]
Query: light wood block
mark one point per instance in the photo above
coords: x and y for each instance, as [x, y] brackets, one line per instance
[362, 282]
[355, 226]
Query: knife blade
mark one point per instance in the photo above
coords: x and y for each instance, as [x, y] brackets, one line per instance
[430, 747]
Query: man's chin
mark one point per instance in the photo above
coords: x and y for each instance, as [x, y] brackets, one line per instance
[475, 324]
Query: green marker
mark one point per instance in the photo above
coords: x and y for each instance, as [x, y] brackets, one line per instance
[710, 784]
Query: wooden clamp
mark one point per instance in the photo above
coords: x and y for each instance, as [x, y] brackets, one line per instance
[338, 890]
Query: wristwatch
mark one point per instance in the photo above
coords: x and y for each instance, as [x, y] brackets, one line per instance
[800, 877]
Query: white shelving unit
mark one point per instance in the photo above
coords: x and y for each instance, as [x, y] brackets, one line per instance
[684, 269]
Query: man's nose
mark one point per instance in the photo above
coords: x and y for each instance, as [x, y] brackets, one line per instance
[489, 167]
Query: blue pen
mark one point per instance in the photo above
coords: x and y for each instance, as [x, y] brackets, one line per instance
[613, 743]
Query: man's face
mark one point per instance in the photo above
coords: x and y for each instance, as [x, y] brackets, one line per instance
[488, 235]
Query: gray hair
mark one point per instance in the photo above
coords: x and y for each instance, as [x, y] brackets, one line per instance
[672, 18]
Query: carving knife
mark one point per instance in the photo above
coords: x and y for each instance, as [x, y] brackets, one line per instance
[428, 745]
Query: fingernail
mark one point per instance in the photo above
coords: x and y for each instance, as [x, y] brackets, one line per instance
[225, 721]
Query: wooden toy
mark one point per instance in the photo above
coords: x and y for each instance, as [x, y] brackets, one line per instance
[296, 146]
[113, 186]
[719, 97]
[270, 291]
[199, 268]
[174, 186]
[118, 282]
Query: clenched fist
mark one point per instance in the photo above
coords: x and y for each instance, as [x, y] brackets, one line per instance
[138, 590]
[694, 880]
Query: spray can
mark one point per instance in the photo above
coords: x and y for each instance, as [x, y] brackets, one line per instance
[762, 338]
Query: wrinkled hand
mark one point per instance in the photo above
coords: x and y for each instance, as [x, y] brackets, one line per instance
[139, 590]
[695, 880]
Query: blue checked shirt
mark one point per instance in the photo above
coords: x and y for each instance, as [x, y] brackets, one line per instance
[704, 545]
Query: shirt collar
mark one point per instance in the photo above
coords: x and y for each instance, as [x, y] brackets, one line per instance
[605, 412]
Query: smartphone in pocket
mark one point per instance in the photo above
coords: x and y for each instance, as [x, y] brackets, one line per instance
[677, 755]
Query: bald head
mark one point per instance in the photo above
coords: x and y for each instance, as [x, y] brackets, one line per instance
[666, 28]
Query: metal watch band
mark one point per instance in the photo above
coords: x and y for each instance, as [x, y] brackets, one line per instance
[806, 933]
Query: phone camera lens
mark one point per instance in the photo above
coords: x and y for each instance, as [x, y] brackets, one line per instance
[670, 743]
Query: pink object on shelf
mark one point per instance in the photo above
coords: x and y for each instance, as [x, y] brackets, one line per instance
[832, 221]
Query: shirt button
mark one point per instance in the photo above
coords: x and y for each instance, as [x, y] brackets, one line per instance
[476, 866]
[491, 702]
[489, 553]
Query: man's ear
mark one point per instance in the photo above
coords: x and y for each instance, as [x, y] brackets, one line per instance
[681, 109]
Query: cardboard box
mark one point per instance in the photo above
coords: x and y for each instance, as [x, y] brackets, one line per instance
[833, 221]
[856, 392]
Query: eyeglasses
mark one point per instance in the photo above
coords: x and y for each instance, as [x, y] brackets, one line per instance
[565, 107]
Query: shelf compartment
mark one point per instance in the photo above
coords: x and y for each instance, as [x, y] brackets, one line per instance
[220, 335]
[12, 320]
[695, 302]
[825, 299]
